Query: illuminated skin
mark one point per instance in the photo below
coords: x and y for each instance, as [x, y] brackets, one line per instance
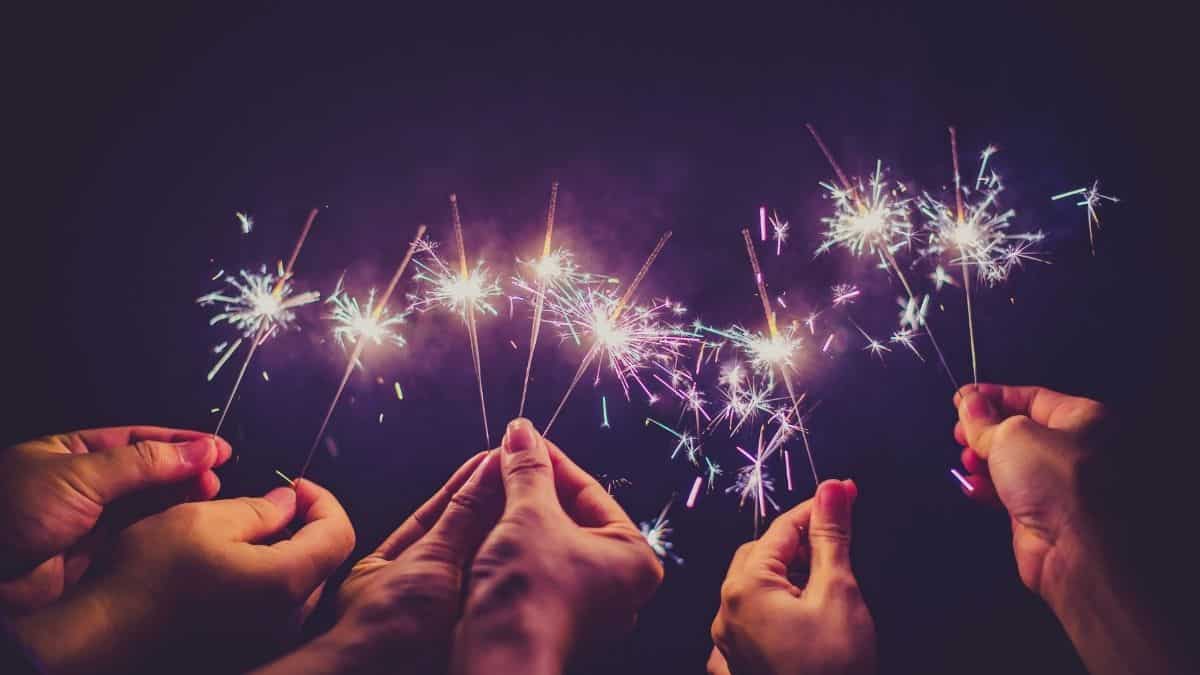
[243, 572]
[770, 625]
[1034, 451]
[54, 489]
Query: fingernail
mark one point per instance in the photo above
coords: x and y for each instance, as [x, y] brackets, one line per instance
[833, 501]
[978, 407]
[283, 497]
[194, 453]
[520, 436]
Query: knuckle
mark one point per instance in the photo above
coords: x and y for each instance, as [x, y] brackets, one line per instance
[527, 465]
[149, 460]
[466, 502]
[835, 532]
[1013, 428]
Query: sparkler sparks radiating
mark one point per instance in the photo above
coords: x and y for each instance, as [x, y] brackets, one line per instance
[779, 232]
[1090, 198]
[245, 221]
[977, 232]
[257, 312]
[658, 534]
[622, 335]
[868, 221]
[357, 325]
[465, 292]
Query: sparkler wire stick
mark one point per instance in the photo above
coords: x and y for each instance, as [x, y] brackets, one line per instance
[472, 330]
[360, 344]
[774, 335]
[887, 254]
[263, 329]
[616, 313]
[958, 214]
[539, 302]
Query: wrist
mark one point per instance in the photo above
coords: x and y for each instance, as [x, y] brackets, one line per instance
[343, 649]
[530, 636]
[71, 636]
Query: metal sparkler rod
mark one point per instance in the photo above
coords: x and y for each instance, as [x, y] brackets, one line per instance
[539, 302]
[472, 331]
[966, 272]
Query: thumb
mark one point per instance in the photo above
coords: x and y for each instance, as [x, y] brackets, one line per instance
[525, 466]
[107, 475]
[254, 519]
[829, 535]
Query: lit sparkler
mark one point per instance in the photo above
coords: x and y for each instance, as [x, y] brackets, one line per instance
[547, 267]
[977, 232]
[623, 335]
[466, 292]
[1090, 198]
[358, 325]
[875, 220]
[263, 306]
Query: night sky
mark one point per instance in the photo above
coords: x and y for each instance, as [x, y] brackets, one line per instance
[137, 135]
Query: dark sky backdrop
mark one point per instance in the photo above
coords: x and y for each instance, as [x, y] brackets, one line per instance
[137, 134]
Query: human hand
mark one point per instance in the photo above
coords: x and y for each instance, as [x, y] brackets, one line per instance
[193, 578]
[53, 491]
[563, 563]
[769, 625]
[1025, 447]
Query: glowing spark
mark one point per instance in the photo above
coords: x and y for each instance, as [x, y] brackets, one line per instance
[686, 441]
[245, 221]
[266, 377]
[399, 392]
[713, 470]
[762, 222]
[844, 294]
[828, 342]
[381, 418]
[691, 500]
[962, 480]
[940, 278]
[604, 411]
[787, 464]
[1090, 198]
[779, 232]
[905, 337]
[912, 313]
[658, 535]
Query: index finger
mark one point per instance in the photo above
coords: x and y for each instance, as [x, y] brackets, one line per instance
[107, 438]
[321, 544]
[423, 519]
[581, 495]
[1035, 402]
[782, 540]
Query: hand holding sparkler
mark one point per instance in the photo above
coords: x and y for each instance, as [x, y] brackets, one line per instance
[563, 564]
[769, 625]
[1035, 450]
[400, 603]
[222, 573]
[53, 491]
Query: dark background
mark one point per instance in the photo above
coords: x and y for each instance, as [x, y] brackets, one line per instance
[135, 133]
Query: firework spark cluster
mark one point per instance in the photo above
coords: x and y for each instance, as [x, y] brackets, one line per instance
[732, 394]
